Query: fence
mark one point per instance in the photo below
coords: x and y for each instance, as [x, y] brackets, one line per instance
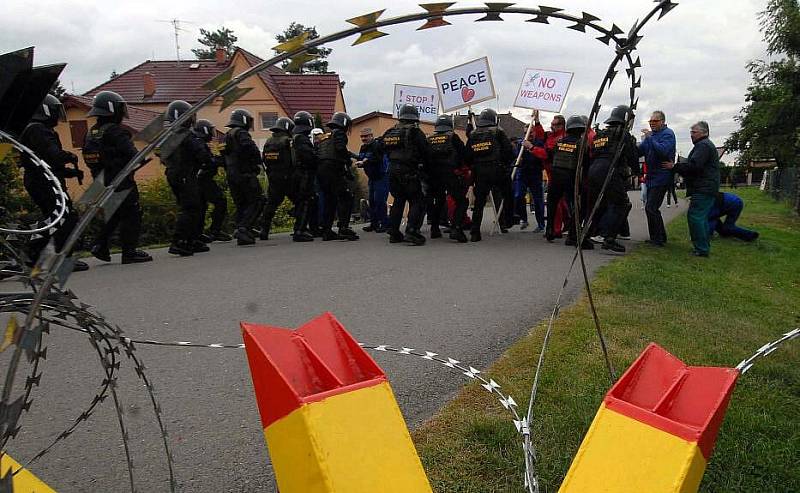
[784, 184]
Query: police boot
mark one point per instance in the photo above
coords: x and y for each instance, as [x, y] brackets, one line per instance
[182, 248]
[412, 236]
[243, 237]
[613, 245]
[458, 235]
[206, 238]
[395, 236]
[348, 234]
[199, 246]
[101, 252]
[264, 234]
[80, 266]
[435, 232]
[221, 236]
[475, 236]
[549, 236]
[302, 236]
[330, 235]
[136, 257]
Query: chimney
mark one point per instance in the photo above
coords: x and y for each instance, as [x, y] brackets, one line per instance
[220, 55]
[149, 83]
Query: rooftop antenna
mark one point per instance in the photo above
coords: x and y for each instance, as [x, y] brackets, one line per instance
[176, 26]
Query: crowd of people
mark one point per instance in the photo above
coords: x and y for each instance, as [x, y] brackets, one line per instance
[429, 175]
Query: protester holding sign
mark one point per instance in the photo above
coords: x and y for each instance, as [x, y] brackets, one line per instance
[489, 152]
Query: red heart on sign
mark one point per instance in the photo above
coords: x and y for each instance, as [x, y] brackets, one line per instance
[467, 93]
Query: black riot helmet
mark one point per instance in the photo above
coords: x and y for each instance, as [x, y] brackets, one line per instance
[408, 113]
[109, 104]
[576, 123]
[177, 109]
[487, 118]
[50, 112]
[444, 123]
[303, 122]
[241, 118]
[619, 115]
[340, 120]
[204, 129]
[283, 124]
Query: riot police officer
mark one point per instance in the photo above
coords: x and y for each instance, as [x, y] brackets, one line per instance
[409, 154]
[615, 204]
[183, 160]
[489, 152]
[279, 163]
[242, 166]
[305, 172]
[210, 192]
[40, 136]
[335, 179]
[447, 155]
[108, 148]
[566, 157]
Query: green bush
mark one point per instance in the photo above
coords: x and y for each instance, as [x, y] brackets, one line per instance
[13, 197]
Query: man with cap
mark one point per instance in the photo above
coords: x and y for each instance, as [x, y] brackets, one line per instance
[447, 156]
[614, 140]
[372, 160]
[183, 161]
[210, 192]
[489, 153]
[335, 179]
[40, 136]
[409, 155]
[107, 150]
[242, 166]
[566, 158]
[306, 164]
[279, 162]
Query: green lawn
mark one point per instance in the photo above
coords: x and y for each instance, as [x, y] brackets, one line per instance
[713, 311]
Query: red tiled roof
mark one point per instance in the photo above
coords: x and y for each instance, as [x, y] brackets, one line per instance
[138, 118]
[176, 80]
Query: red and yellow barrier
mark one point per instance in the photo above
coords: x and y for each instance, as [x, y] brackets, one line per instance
[23, 481]
[330, 418]
[655, 430]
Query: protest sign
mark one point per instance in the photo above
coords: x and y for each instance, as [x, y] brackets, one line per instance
[544, 90]
[424, 98]
[465, 85]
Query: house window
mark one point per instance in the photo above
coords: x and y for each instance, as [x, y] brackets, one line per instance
[268, 119]
[77, 131]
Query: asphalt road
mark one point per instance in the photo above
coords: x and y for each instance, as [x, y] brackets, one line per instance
[467, 301]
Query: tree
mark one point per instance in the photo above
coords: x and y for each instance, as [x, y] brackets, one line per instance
[221, 38]
[318, 65]
[57, 90]
[770, 121]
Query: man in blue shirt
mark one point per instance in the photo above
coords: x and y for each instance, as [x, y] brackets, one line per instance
[657, 147]
[726, 210]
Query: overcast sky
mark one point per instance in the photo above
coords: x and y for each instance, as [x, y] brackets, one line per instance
[693, 59]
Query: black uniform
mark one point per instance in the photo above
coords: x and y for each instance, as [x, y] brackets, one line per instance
[566, 154]
[335, 177]
[278, 160]
[489, 152]
[183, 164]
[44, 142]
[615, 204]
[211, 193]
[306, 164]
[110, 149]
[409, 153]
[242, 166]
[447, 154]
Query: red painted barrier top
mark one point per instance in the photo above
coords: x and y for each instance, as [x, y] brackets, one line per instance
[291, 368]
[686, 401]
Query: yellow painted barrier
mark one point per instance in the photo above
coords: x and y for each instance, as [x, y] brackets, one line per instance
[23, 481]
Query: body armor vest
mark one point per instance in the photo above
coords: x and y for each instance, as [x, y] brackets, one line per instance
[398, 147]
[484, 146]
[442, 150]
[94, 156]
[606, 142]
[277, 154]
[566, 152]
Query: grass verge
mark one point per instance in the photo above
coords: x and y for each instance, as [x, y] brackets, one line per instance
[713, 312]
